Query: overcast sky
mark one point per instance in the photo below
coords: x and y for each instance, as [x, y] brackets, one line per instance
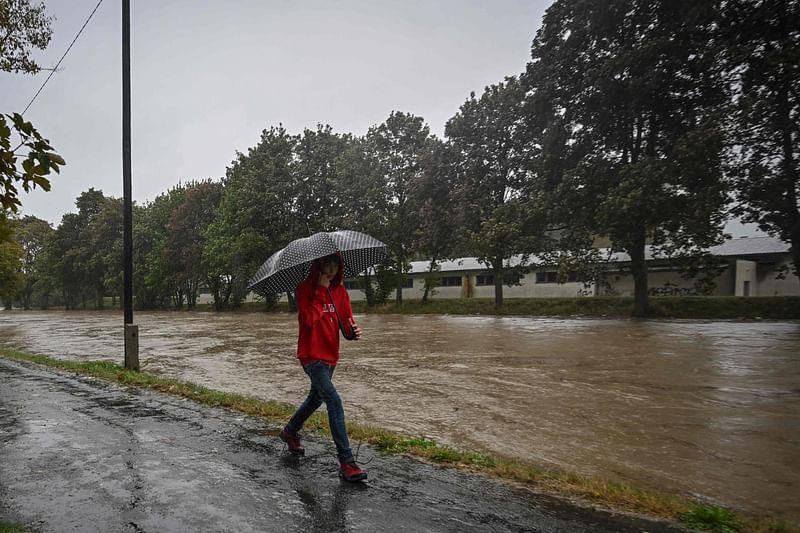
[209, 76]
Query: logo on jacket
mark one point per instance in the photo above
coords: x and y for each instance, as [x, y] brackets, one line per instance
[328, 308]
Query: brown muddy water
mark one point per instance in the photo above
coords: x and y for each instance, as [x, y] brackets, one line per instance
[709, 409]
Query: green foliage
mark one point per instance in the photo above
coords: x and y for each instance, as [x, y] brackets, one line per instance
[438, 235]
[24, 27]
[763, 51]
[399, 147]
[492, 176]
[185, 241]
[255, 217]
[317, 196]
[360, 188]
[29, 172]
[629, 100]
[7, 527]
[711, 518]
[31, 234]
[152, 284]
[705, 307]
[11, 279]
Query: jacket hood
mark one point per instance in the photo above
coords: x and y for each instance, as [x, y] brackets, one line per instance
[313, 274]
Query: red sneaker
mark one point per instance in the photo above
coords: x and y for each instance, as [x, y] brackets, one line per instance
[293, 442]
[351, 472]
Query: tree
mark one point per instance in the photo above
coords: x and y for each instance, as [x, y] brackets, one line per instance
[485, 132]
[90, 250]
[38, 163]
[64, 259]
[314, 170]
[398, 145]
[11, 264]
[764, 60]
[255, 217]
[186, 238]
[104, 233]
[636, 100]
[364, 204]
[31, 235]
[23, 27]
[437, 234]
[152, 284]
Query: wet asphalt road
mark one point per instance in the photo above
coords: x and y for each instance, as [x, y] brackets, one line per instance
[80, 454]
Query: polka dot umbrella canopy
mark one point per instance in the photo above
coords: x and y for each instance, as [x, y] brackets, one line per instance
[285, 269]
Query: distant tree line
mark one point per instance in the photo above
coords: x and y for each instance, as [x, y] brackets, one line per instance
[649, 122]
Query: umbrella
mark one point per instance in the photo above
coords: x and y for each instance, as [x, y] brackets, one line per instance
[285, 269]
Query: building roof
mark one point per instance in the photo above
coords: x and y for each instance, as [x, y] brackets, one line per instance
[457, 265]
[743, 246]
[751, 246]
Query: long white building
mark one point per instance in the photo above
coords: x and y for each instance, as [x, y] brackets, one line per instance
[753, 266]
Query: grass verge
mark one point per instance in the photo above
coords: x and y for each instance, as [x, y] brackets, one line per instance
[6, 527]
[697, 307]
[612, 494]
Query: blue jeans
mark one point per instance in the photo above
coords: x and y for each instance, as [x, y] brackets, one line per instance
[322, 390]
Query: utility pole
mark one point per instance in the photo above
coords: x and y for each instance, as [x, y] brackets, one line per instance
[131, 330]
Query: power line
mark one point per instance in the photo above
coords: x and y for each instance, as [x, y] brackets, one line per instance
[62, 57]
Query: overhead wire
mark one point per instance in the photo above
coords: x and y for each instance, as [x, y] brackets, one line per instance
[62, 57]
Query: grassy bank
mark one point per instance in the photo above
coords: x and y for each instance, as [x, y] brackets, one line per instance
[694, 307]
[6, 527]
[605, 493]
[697, 307]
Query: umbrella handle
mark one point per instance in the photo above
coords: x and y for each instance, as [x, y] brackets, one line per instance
[352, 335]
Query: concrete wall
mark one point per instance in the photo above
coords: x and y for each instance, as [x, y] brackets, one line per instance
[660, 282]
[745, 278]
[767, 283]
[666, 283]
[528, 288]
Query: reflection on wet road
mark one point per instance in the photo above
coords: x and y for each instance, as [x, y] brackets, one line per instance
[707, 408]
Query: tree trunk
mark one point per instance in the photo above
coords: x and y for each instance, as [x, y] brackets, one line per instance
[369, 294]
[639, 271]
[191, 294]
[100, 296]
[428, 282]
[217, 296]
[497, 268]
[399, 291]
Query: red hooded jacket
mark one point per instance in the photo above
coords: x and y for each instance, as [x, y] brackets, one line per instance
[318, 338]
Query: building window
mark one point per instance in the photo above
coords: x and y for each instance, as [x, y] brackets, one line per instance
[451, 281]
[354, 284]
[408, 283]
[547, 277]
[485, 280]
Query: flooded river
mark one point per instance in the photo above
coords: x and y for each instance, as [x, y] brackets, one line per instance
[709, 409]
